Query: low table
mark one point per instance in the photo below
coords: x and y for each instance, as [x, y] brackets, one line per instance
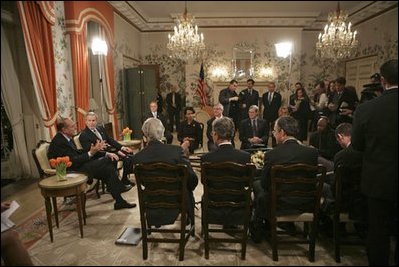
[75, 185]
[133, 144]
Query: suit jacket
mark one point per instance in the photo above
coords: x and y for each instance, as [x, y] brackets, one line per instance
[169, 104]
[248, 99]
[270, 111]
[87, 138]
[352, 200]
[229, 108]
[325, 142]
[246, 131]
[160, 116]
[160, 103]
[225, 153]
[375, 133]
[347, 100]
[211, 144]
[156, 151]
[289, 152]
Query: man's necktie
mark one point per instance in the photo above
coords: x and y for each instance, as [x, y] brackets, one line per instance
[72, 143]
[97, 134]
[254, 128]
[270, 98]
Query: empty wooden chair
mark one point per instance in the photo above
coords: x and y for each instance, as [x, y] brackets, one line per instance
[226, 202]
[163, 196]
[295, 197]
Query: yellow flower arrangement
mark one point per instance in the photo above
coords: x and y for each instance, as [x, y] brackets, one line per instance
[126, 133]
[258, 159]
[61, 164]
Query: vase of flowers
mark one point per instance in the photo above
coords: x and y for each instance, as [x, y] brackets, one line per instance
[61, 164]
[258, 158]
[126, 134]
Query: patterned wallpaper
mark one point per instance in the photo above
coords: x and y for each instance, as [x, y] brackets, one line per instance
[62, 56]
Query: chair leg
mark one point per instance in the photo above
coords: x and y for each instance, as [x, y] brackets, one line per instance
[145, 244]
[312, 241]
[273, 231]
[103, 186]
[97, 189]
[337, 240]
[206, 239]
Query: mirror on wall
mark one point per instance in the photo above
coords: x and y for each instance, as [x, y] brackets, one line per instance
[243, 61]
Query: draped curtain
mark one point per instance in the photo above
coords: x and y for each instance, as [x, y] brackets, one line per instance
[11, 97]
[37, 17]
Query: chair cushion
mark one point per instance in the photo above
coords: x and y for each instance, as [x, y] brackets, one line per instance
[41, 154]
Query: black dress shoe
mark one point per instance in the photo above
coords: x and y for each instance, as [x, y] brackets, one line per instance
[128, 182]
[126, 188]
[123, 205]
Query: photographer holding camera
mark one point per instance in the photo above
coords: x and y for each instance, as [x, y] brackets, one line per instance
[373, 89]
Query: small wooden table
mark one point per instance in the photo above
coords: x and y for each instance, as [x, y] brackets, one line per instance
[75, 185]
[133, 144]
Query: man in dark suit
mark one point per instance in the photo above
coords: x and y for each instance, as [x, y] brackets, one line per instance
[115, 151]
[351, 161]
[173, 105]
[156, 151]
[223, 132]
[229, 99]
[289, 151]
[254, 131]
[271, 101]
[217, 113]
[101, 168]
[159, 102]
[248, 97]
[375, 133]
[324, 139]
[153, 113]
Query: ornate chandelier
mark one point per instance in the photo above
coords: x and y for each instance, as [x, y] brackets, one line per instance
[337, 42]
[186, 42]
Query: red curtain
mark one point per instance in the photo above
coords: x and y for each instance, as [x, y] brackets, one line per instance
[37, 17]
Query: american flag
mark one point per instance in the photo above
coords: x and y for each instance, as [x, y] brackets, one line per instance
[201, 91]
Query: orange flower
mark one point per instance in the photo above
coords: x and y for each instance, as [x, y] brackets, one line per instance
[60, 162]
[126, 130]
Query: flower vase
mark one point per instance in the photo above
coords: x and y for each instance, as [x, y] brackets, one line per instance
[126, 137]
[61, 173]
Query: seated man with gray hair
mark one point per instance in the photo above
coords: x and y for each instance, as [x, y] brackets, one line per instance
[254, 131]
[157, 151]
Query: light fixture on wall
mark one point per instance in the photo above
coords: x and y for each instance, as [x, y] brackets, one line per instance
[186, 42]
[99, 47]
[284, 50]
[338, 41]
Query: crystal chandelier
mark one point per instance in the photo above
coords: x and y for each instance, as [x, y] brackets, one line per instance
[338, 41]
[186, 42]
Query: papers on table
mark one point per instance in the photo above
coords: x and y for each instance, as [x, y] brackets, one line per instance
[6, 223]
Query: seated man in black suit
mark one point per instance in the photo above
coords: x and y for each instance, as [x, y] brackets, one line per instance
[324, 140]
[101, 168]
[153, 113]
[288, 151]
[254, 131]
[222, 133]
[351, 160]
[94, 132]
[156, 151]
[217, 113]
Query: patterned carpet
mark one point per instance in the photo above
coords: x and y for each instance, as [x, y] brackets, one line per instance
[104, 225]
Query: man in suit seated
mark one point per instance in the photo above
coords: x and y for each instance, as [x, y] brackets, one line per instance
[288, 151]
[217, 113]
[156, 151]
[254, 131]
[93, 132]
[222, 133]
[101, 168]
[153, 113]
[324, 140]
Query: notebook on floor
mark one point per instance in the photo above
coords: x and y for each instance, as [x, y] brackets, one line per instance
[129, 236]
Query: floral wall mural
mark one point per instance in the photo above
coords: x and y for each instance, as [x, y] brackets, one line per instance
[62, 56]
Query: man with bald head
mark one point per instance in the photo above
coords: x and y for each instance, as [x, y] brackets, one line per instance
[324, 139]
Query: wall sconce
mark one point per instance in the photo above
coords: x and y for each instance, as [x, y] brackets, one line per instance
[220, 73]
[266, 72]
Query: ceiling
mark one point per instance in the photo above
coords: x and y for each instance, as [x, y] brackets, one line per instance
[153, 16]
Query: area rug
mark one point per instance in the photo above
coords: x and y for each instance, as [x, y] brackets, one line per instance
[104, 226]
